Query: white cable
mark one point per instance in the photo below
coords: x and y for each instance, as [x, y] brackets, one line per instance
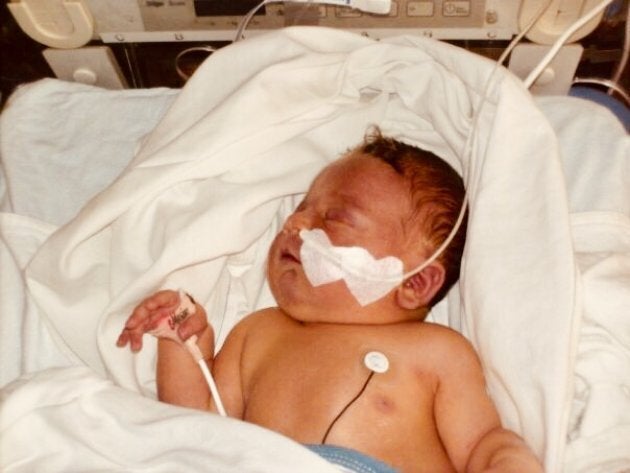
[466, 152]
[517, 39]
[564, 37]
[624, 55]
[378, 7]
[193, 349]
[247, 18]
[436, 254]
[468, 146]
[167, 328]
[213, 388]
[610, 85]
[180, 72]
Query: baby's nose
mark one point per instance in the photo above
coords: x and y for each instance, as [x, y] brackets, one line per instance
[299, 220]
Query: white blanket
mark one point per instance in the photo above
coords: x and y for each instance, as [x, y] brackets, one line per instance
[206, 192]
[596, 159]
[83, 151]
[64, 420]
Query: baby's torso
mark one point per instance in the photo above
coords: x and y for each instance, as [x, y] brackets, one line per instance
[298, 379]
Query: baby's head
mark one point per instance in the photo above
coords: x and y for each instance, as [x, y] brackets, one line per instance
[391, 199]
[437, 193]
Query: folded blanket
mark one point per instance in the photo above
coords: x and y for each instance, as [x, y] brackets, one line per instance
[25, 342]
[66, 162]
[82, 422]
[595, 151]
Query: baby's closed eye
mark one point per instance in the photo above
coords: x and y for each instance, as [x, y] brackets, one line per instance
[340, 216]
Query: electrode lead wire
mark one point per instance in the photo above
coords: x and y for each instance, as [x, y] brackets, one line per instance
[347, 406]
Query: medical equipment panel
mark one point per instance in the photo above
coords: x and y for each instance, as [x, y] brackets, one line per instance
[211, 20]
[217, 20]
[160, 42]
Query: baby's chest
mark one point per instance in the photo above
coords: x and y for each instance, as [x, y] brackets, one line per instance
[303, 380]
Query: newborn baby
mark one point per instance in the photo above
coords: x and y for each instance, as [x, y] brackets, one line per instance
[366, 375]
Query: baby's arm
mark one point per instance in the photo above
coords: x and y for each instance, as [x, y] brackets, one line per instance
[502, 451]
[468, 422]
[179, 379]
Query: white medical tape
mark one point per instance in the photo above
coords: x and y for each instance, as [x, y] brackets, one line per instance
[367, 278]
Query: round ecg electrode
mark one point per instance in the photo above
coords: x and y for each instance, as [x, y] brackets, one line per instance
[376, 361]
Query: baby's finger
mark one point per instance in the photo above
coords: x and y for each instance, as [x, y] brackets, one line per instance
[131, 338]
[138, 317]
[162, 299]
[135, 341]
[123, 339]
[192, 325]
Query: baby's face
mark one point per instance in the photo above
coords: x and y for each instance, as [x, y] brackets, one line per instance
[358, 201]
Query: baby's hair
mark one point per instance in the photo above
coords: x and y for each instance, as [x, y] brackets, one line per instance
[437, 192]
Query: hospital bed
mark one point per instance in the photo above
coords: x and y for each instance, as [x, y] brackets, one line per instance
[107, 196]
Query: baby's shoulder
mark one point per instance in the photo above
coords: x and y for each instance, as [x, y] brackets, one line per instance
[442, 341]
[449, 354]
[270, 318]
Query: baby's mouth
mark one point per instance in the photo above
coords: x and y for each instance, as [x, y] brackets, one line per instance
[291, 250]
[288, 255]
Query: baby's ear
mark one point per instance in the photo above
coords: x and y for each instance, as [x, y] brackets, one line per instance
[418, 290]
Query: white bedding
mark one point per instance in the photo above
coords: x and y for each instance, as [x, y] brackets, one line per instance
[544, 286]
[596, 160]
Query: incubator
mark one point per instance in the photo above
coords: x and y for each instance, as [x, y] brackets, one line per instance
[144, 188]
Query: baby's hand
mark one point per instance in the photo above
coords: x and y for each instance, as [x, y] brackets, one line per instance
[159, 316]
